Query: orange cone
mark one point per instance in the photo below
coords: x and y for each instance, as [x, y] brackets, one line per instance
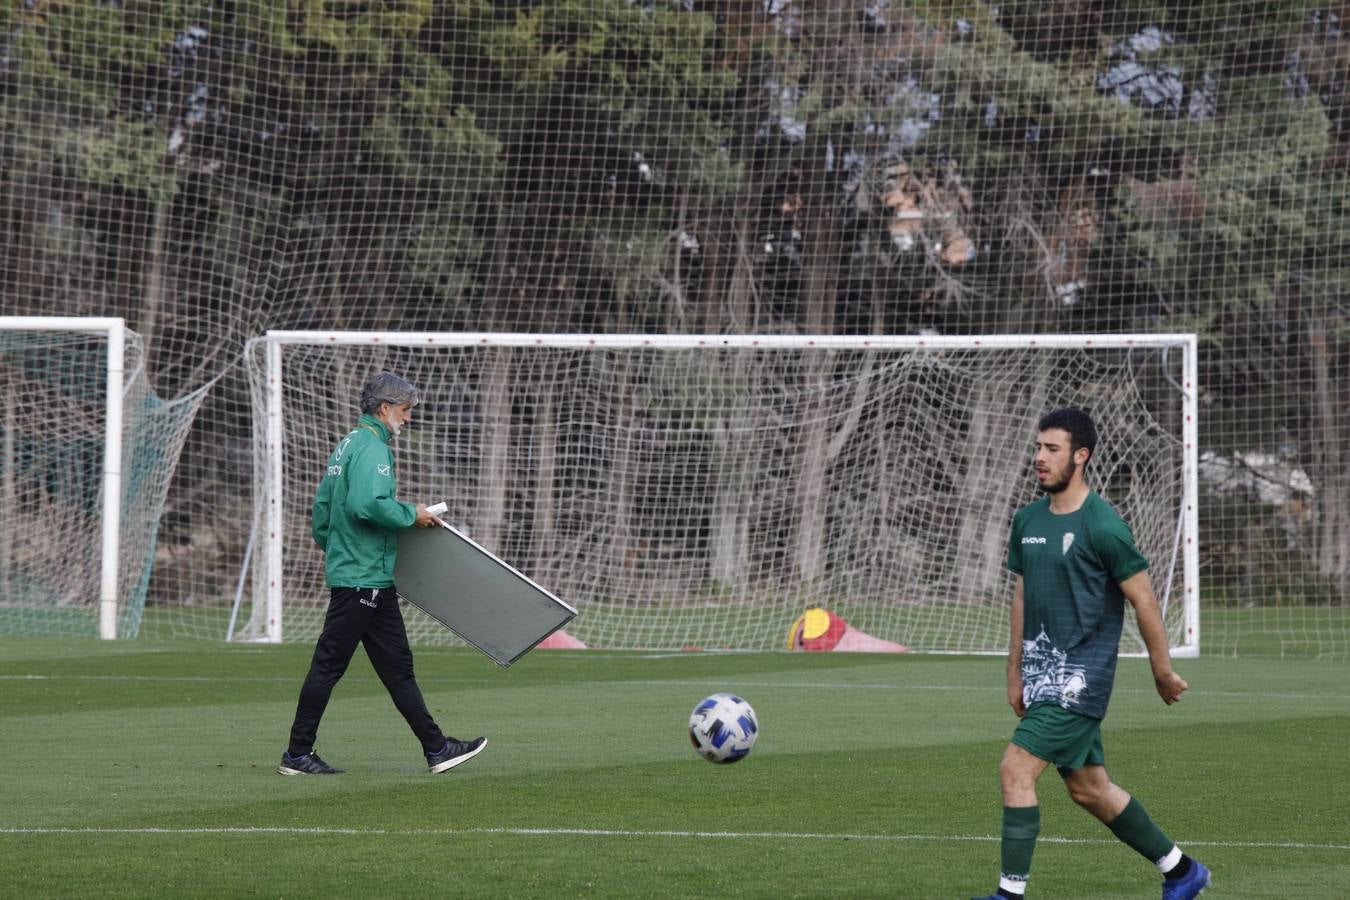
[818, 630]
[560, 640]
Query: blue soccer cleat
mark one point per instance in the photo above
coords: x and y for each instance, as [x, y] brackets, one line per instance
[1189, 885]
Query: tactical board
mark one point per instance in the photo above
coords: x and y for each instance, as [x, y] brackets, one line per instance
[474, 594]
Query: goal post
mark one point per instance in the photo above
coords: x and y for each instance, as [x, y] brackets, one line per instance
[87, 452]
[704, 490]
[82, 334]
[114, 332]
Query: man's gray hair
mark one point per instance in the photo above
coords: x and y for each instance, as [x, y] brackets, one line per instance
[386, 387]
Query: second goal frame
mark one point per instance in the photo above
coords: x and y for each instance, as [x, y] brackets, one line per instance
[1187, 557]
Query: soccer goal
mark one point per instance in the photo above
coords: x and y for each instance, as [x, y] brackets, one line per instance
[86, 455]
[703, 491]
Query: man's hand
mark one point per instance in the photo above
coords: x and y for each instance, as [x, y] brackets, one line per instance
[1015, 651]
[1139, 591]
[1015, 700]
[1170, 686]
[425, 519]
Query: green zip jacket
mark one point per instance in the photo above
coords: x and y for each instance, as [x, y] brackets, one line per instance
[355, 516]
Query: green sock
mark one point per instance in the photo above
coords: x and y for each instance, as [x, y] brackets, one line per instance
[1021, 825]
[1137, 829]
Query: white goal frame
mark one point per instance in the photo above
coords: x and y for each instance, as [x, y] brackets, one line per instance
[274, 432]
[115, 331]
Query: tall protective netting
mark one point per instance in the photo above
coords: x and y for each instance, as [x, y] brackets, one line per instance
[83, 476]
[704, 491]
[211, 170]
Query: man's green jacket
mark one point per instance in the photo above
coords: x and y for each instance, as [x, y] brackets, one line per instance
[355, 516]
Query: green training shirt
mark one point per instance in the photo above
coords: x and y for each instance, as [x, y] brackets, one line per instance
[356, 517]
[1071, 567]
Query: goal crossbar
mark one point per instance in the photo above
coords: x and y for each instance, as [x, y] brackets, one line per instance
[761, 341]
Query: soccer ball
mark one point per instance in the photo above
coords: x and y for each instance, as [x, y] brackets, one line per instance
[723, 728]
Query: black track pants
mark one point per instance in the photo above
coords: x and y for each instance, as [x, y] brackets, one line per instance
[371, 617]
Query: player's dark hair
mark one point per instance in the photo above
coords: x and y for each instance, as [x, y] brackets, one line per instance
[1078, 424]
[386, 387]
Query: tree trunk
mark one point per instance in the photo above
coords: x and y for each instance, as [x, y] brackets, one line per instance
[494, 412]
[990, 469]
[544, 439]
[7, 490]
[733, 461]
[494, 389]
[820, 287]
[152, 292]
[730, 309]
[1331, 471]
[623, 543]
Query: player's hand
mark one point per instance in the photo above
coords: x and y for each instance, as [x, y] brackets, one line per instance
[425, 519]
[1019, 706]
[1170, 686]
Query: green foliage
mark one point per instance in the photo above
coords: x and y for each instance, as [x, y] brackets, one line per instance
[266, 23]
[650, 73]
[444, 246]
[127, 155]
[1064, 105]
[633, 260]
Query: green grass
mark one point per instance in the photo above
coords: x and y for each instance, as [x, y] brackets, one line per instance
[144, 769]
[1287, 632]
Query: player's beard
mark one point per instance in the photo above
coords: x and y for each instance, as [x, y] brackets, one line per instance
[1054, 487]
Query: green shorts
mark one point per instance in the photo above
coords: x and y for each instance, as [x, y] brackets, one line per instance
[1068, 740]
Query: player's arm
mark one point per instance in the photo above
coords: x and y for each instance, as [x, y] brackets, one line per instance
[319, 517]
[1138, 589]
[1015, 652]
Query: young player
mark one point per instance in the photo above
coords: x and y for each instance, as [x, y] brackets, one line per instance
[1076, 563]
[354, 520]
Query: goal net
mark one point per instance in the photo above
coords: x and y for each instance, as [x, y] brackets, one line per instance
[87, 451]
[704, 491]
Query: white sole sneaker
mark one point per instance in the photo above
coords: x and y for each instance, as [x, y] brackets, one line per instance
[453, 761]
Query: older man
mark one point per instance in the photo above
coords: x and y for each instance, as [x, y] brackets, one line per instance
[355, 521]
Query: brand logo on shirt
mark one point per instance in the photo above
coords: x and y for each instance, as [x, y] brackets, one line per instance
[1068, 541]
[1033, 540]
[384, 470]
[335, 470]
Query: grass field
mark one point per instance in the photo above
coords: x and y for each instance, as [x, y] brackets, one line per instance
[146, 769]
[1287, 632]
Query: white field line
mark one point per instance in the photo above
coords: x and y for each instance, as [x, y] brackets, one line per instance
[631, 833]
[993, 687]
[720, 683]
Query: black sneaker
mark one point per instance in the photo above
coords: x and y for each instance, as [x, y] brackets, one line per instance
[305, 764]
[453, 753]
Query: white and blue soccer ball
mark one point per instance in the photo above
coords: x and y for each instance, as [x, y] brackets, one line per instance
[723, 728]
